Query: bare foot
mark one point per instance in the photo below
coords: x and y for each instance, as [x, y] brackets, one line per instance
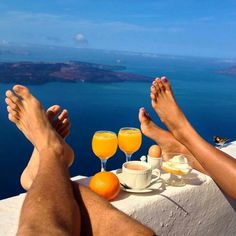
[29, 116]
[164, 104]
[61, 124]
[165, 139]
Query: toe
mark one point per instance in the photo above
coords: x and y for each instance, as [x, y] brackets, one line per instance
[26, 97]
[22, 91]
[52, 112]
[161, 86]
[155, 81]
[12, 112]
[13, 118]
[58, 123]
[166, 83]
[156, 85]
[63, 128]
[143, 115]
[65, 133]
[153, 94]
[63, 115]
[14, 99]
[65, 124]
[153, 97]
[11, 104]
[146, 115]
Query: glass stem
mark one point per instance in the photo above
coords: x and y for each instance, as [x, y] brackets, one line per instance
[103, 165]
[128, 157]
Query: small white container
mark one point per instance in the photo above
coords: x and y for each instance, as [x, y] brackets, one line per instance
[139, 178]
[155, 162]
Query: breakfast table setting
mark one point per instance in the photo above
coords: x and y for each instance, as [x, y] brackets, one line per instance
[174, 198]
[162, 192]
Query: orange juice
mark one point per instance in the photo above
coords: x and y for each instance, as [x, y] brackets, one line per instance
[104, 144]
[130, 140]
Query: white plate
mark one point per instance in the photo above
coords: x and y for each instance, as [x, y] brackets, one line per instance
[151, 188]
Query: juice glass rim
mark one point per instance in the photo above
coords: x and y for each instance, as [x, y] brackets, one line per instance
[104, 131]
[130, 128]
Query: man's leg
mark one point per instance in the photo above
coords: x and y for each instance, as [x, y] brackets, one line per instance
[99, 217]
[50, 207]
[60, 122]
[220, 166]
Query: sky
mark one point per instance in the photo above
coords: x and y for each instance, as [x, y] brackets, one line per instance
[176, 27]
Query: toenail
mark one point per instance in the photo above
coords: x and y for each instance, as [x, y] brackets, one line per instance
[165, 79]
[17, 89]
[8, 93]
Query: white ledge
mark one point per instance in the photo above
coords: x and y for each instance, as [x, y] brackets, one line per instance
[191, 210]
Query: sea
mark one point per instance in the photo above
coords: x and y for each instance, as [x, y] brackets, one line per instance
[207, 98]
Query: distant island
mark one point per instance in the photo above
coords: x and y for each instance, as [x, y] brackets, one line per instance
[228, 71]
[72, 71]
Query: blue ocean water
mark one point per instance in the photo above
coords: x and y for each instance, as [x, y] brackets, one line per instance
[207, 98]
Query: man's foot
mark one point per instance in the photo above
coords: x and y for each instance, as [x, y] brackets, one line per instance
[164, 104]
[29, 116]
[60, 122]
[167, 142]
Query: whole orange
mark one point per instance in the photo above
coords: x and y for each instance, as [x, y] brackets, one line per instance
[105, 184]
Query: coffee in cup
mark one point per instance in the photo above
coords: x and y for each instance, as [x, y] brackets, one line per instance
[138, 174]
[135, 166]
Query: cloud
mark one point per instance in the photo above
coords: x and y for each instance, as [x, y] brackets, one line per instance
[4, 42]
[80, 39]
[45, 28]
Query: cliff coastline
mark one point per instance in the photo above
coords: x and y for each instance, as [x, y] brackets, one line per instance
[72, 71]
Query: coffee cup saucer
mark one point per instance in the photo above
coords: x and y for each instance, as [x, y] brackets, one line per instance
[151, 188]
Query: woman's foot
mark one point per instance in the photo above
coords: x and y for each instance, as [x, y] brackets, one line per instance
[163, 102]
[165, 139]
[29, 116]
[60, 122]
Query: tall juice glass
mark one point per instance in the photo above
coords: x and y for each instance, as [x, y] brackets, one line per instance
[129, 140]
[104, 145]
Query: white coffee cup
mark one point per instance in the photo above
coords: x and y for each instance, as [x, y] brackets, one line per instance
[138, 174]
[154, 162]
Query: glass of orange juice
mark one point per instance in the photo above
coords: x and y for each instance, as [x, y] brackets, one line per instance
[104, 145]
[129, 140]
